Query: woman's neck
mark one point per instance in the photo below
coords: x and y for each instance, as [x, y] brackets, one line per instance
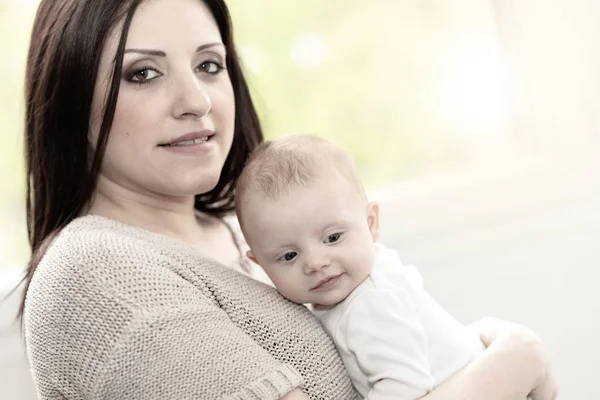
[173, 217]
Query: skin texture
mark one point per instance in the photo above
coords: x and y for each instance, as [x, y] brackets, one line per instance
[301, 242]
[183, 89]
[160, 99]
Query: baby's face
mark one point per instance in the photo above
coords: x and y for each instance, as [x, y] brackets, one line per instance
[316, 244]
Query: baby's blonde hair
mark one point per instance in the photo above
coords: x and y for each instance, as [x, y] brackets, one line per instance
[276, 167]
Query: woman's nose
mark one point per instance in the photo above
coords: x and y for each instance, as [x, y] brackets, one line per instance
[191, 98]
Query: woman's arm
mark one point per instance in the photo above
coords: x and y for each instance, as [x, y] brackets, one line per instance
[514, 366]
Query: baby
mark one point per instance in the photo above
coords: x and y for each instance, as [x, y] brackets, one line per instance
[308, 223]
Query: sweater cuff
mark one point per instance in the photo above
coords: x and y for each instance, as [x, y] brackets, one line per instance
[273, 385]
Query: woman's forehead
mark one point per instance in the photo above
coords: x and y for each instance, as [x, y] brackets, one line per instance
[163, 24]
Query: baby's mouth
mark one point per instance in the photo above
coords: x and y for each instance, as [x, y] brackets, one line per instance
[327, 283]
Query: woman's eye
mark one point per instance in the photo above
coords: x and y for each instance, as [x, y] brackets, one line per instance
[143, 75]
[334, 237]
[211, 67]
[289, 256]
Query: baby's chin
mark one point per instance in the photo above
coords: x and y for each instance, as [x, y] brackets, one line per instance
[320, 307]
[326, 302]
[309, 301]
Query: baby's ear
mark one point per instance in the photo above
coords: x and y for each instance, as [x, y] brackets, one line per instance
[250, 255]
[373, 220]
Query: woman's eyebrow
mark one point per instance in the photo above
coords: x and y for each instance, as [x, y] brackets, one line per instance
[160, 53]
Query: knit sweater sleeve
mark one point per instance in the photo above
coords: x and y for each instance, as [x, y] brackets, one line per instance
[191, 352]
[114, 318]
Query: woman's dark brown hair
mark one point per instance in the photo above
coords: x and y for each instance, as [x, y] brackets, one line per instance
[62, 66]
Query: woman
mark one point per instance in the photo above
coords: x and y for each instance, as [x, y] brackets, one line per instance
[138, 123]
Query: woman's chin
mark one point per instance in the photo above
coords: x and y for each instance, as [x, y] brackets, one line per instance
[205, 186]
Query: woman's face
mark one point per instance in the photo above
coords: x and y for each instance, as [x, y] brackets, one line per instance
[174, 119]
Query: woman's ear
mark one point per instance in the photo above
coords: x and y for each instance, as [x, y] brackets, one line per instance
[250, 255]
[373, 220]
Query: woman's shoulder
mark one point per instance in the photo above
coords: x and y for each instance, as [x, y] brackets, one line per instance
[99, 255]
[97, 259]
[102, 244]
[109, 234]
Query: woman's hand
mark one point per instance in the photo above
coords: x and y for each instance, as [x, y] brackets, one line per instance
[532, 354]
[546, 390]
[295, 395]
[516, 364]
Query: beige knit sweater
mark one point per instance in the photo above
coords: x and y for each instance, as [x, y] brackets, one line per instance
[116, 312]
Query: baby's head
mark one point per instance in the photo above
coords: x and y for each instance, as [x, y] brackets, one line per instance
[307, 220]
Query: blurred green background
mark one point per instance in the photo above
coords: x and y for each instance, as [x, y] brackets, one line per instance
[413, 89]
[15, 24]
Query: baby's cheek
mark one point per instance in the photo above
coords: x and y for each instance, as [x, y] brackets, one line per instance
[288, 288]
[366, 265]
[278, 281]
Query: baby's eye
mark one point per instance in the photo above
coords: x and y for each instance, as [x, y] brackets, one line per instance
[334, 237]
[289, 256]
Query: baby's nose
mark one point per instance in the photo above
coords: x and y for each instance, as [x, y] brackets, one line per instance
[317, 263]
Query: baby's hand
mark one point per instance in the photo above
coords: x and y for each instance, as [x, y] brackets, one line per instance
[523, 342]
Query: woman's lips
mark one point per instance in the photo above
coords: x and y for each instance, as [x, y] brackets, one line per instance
[193, 143]
[192, 147]
[200, 136]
